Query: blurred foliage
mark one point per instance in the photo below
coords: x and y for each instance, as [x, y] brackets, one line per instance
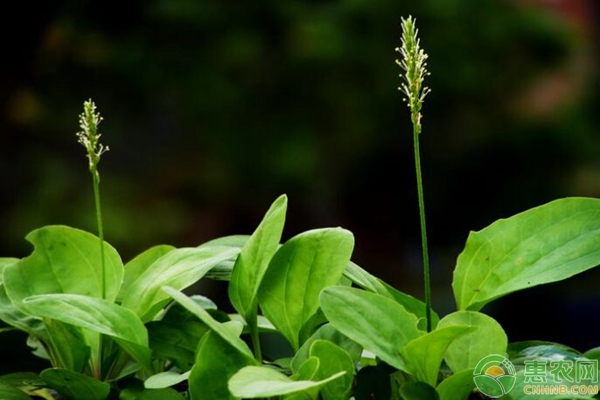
[213, 108]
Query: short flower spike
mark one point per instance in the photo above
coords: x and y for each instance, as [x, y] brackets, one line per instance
[89, 136]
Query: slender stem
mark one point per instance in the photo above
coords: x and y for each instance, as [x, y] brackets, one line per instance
[416, 132]
[96, 179]
[253, 323]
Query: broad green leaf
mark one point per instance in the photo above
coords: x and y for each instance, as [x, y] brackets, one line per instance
[96, 315]
[237, 241]
[10, 314]
[418, 391]
[222, 271]
[424, 354]
[299, 270]
[487, 337]
[136, 267]
[519, 352]
[73, 385]
[10, 393]
[64, 260]
[217, 362]
[70, 348]
[165, 379]
[257, 382]
[329, 333]
[176, 341]
[373, 284]
[333, 359]
[179, 269]
[457, 386]
[176, 336]
[593, 354]
[317, 320]
[90, 313]
[306, 372]
[251, 264]
[377, 323]
[227, 334]
[4, 262]
[545, 244]
[22, 380]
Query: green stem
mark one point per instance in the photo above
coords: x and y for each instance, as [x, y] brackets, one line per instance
[416, 133]
[253, 323]
[96, 180]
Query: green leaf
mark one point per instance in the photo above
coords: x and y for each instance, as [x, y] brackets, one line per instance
[65, 260]
[22, 380]
[544, 244]
[70, 348]
[329, 333]
[227, 334]
[299, 270]
[373, 284]
[236, 241]
[10, 314]
[11, 393]
[165, 379]
[96, 315]
[486, 338]
[424, 354]
[217, 362]
[176, 341]
[333, 359]
[252, 263]
[306, 372]
[179, 269]
[593, 354]
[519, 352]
[222, 271]
[457, 386]
[4, 262]
[418, 391]
[377, 323]
[73, 385]
[136, 267]
[256, 382]
[176, 336]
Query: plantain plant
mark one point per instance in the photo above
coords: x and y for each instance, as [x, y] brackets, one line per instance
[111, 330]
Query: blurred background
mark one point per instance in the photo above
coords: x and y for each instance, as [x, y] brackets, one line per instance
[214, 108]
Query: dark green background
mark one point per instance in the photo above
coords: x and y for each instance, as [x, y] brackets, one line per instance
[214, 108]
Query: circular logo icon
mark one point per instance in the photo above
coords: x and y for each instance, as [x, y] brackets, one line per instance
[494, 376]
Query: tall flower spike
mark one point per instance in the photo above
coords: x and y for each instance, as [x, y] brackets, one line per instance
[89, 136]
[414, 64]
